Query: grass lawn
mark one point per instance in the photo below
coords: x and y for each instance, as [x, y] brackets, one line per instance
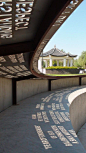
[65, 74]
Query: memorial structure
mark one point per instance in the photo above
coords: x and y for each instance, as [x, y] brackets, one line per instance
[26, 26]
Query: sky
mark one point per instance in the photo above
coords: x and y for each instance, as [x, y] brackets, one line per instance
[71, 36]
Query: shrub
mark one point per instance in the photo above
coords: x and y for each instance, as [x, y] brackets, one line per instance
[61, 67]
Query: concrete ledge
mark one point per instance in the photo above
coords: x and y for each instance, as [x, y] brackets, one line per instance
[77, 108]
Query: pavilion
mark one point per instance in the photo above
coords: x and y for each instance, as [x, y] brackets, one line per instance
[58, 55]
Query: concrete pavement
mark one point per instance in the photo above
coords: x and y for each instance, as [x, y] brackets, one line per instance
[39, 124]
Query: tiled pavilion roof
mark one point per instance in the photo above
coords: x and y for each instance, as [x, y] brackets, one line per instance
[56, 52]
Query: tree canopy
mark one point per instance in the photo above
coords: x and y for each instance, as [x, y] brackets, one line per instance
[62, 50]
[81, 61]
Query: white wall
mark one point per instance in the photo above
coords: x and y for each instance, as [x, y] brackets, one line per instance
[5, 93]
[27, 88]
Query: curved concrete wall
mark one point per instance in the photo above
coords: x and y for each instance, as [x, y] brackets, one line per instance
[27, 88]
[77, 108]
[63, 83]
[5, 93]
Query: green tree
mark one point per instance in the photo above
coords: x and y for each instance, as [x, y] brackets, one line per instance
[81, 61]
[54, 63]
[62, 50]
[43, 64]
[60, 63]
[76, 64]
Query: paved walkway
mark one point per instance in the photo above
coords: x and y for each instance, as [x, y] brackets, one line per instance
[39, 124]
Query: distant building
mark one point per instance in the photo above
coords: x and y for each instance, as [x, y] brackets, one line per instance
[58, 55]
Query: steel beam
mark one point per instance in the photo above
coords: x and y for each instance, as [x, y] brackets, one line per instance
[16, 48]
[80, 81]
[14, 89]
[25, 77]
[49, 85]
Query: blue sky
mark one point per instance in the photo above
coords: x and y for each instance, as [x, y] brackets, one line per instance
[71, 37]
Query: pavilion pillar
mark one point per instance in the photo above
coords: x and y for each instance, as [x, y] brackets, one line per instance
[68, 62]
[39, 64]
[71, 62]
[45, 63]
[50, 61]
[57, 62]
[64, 63]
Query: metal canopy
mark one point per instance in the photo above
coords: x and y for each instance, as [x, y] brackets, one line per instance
[21, 19]
[26, 26]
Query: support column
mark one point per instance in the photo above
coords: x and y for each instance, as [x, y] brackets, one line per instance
[80, 81]
[39, 64]
[14, 97]
[71, 62]
[45, 63]
[49, 85]
[68, 62]
[57, 62]
[64, 62]
[50, 61]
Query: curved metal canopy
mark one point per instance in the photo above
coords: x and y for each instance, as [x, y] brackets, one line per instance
[26, 26]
